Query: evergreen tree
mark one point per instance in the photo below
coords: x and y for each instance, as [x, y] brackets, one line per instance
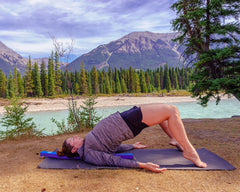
[90, 84]
[11, 86]
[137, 88]
[95, 83]
[44, 78]
[166, 80]
[16, 124]
[143, 83]
[70, 82]
[174, 79]
[118, 88]
[15, 81]
[20, 84]
[107, 86]
[101, 81]
[37, 88]
[162, 78]
[123, 86]
[76, 82]
[58, 80]
[111, 79]
[3, 84]
[131, 80]
[148, 81]
[51, 77]
[29, 79]
[209, 31]
[157, 80]
[83, 80]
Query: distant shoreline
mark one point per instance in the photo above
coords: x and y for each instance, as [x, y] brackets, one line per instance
[58, 104]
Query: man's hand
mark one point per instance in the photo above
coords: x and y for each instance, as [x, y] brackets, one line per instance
[152, 167]
[139, 145]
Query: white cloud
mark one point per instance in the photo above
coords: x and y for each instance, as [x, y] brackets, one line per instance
[26, 25]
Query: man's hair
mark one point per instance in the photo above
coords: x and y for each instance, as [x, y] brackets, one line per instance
[67, 150]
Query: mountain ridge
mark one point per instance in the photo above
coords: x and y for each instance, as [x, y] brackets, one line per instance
[9, 59]
[141, 50]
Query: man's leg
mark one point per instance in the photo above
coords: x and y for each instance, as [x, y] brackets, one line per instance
[157, 113]
[173, 141]
[178, 131]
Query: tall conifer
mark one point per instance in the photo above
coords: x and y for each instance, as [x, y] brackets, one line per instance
[44, 78]
[29, 79]
[51, 77]
[11, 86]
[83, 80]
[37, 81]
[3, 84]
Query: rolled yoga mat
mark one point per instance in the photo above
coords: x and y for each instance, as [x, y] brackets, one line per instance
[169, 158]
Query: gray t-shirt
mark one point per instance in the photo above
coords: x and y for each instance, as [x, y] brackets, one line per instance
[105, 140]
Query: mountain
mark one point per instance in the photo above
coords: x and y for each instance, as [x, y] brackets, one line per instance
[9, 60]
[141, 50]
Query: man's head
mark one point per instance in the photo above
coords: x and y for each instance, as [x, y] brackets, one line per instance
[70, 146]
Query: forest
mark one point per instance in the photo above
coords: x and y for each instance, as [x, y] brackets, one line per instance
[40, 80]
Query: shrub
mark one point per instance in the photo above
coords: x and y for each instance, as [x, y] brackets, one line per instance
[15, 123]
[79, 118]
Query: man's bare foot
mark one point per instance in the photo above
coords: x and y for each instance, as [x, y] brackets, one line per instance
[193, 156]
[174, 143]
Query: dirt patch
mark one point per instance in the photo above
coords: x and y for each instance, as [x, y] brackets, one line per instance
[19, 160]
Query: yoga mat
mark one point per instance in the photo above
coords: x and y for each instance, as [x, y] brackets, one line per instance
[171, 159]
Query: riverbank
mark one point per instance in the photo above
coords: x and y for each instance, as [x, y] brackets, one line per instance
[19, 160]
[58, 104]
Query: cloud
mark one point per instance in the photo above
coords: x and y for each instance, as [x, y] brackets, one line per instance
[90, 23]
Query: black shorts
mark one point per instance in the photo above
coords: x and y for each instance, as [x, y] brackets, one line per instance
[133, 118]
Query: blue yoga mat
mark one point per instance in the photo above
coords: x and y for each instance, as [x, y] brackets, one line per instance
[171, 159]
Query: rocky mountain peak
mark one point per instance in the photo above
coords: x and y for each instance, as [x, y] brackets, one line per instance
[9, 59]
[141, 50]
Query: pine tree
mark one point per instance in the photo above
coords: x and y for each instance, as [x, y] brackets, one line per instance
[15, 81]
[83, 80]
[167, 81]
[95, 83]
[58, 80]
[29, 79]
[11, 86]
[123, 86]
[20, 84]
[148, 82]
[111, 79]
[64, 78]
[3, 84]
[118, 88]
[131, 80]
[37, 81]
[51, 77]
[90, 84]
[162, 77]
[209, 31]
[44, 79]
[143, 83]
[174, 79]
[137, 88]
[157, 80]
[107, 86]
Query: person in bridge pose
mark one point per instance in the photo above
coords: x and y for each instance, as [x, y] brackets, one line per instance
[99, 145]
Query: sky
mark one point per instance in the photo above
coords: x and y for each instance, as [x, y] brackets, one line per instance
[29, 26]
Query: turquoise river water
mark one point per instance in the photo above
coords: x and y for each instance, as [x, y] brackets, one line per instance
[225, 109]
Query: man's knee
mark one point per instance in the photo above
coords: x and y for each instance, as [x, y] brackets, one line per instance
[174, 110]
